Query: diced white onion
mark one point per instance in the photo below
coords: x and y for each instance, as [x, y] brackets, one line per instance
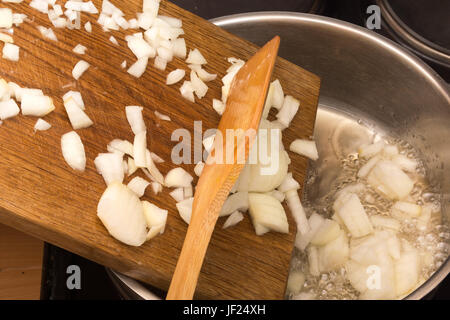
[297, 211]
[121, 212]
[122, 146]
[305, 148]
[75, 95]
[110, 166]
[135, 118]
[6, 18]
[8, 109]
[155, 216]
[187, 91]
[371, 150]
[233, 219]
[195, 57]
[138, 186]
[160, 63]
[113, 40]
[199, 168]
[236, 201]
[177, 194]
[6, 38]
[88, 27]
[200, 88]
[140, 48]
[138, 68]
[289, 183]
[36, 105]
[47, 33]
[11, 52]
[73, 151]
[178, 177]
[179, 48]
[218, 106]
[42, 125]
[185, 209]
[77, 117]
[175, 76]
[140, 149]
[156, 187]
[79, 49]
[288, 110]
[79, 69]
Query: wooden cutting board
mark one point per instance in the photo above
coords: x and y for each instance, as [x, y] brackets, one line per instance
[41, 195]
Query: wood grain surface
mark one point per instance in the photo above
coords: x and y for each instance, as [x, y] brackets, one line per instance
[41, 195]
[20, 265]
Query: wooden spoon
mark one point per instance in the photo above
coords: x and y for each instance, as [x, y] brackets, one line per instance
[243, 111]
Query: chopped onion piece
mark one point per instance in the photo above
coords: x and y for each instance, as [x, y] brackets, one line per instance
[6, 18]
[175, 76]
[195, 57]
[73, 151]
[187, 91]
[138, 186]
[123, 65]
[268, 213]
[76, 96]
[302, 240]
[219, 106]
[185, 209]
[131, 166]
[199, 168]
[297, 211]
[153, 170]
[288, 110]
[79, 69]
[387, 178]
[289, 183]
[200, 88]
[236, 202]
[6, 38]
[233, 219]
[42, 125]
[371, 150]
[11, 52]
[204, 75]
[151, 6]
[160, 63]
[305, 148]
[122, 146]
[140, 48]
[135, 118]
[8, 109]
[367, 167]
[47, 33]
[110, 166]
[77, 117]
[179, 48]
[79, 49]
[36, 105]
[18, 91]
[350, 210]
[140, 149]
[177, 194]
[162, 116]
[156, 187]
[407, 209]
[155, 216]
[178, 177]
[138, 68]
[122, 213]
[113, 40]
[88, 27]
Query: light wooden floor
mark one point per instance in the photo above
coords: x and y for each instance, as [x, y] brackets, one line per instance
[20, 265]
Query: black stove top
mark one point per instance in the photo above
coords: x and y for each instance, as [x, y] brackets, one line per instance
[95, 282]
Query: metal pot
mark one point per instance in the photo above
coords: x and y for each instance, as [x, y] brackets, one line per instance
[365, 79]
